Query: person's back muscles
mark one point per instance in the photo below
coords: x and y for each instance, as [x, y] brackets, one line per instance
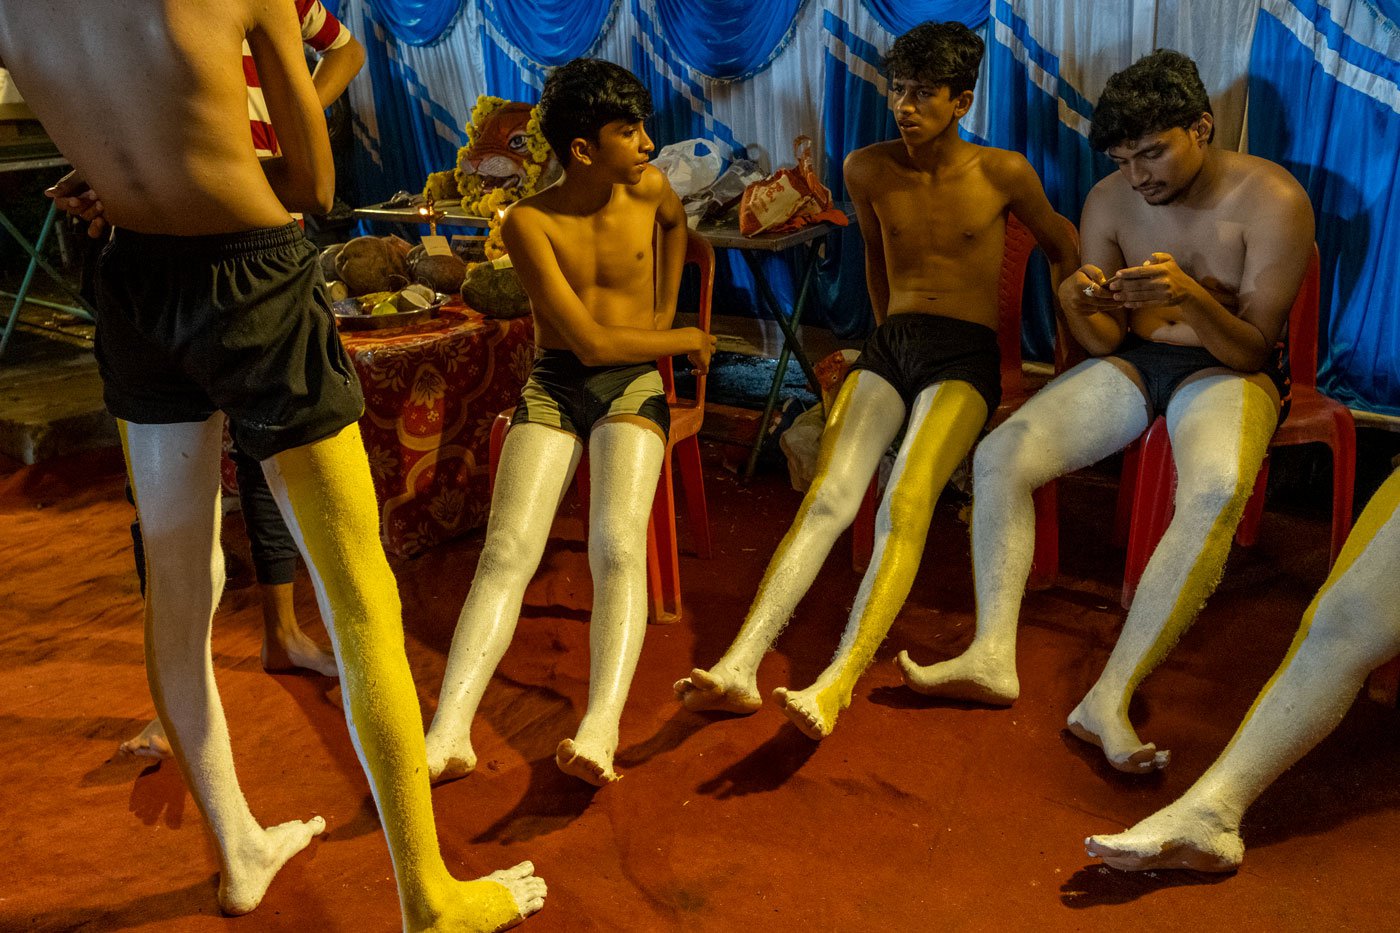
[147, 100]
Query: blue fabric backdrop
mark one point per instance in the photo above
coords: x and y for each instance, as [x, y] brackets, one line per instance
[899, 16]
[417, 22]
[1319, 77]
[727, 39]
[551, 32]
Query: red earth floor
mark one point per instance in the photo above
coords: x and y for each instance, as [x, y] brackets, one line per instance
[916, 814]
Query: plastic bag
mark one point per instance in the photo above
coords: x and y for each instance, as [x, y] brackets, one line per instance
[724, 193]
[690, 166]
[789, 199]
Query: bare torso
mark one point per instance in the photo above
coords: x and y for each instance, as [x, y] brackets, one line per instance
[942, 234]
[147, 99]
[606, 255]
[1207, 240]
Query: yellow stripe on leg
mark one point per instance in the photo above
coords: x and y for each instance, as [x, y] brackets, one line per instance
[336, 515]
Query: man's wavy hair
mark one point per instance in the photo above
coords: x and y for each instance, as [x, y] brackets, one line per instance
[938, 54]
[584, 95]
[1157, 92]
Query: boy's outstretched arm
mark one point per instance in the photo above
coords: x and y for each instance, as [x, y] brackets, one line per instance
[670, 258]
[552, 299]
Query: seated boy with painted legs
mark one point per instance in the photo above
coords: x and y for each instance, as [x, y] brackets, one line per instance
[932, 210]
[603, 310]
[1193, 256]
[1351, 628]
[210, 301]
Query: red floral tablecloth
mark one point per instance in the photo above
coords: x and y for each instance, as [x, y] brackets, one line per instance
[431, 393]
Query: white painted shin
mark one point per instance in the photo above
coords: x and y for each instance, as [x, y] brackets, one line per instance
[624, 464]
[1220, 427]
[175, 477]
[536, 466]
[851, 452]
[1352, 627]
[1078, 419]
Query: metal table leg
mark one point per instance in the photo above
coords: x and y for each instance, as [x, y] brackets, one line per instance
[792, 346]
[36, 261]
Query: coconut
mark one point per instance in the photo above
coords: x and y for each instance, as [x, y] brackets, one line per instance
[495, 292]
[440, 273]
[370, 264]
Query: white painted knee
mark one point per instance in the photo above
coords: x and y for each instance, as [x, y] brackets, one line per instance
[835, 501]
[1211, 493]
[610, 554]
[1007, 457]
[506, 556]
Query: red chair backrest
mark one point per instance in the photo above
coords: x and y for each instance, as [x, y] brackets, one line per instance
[1302, 325]
[1011, 283]
[699, 253]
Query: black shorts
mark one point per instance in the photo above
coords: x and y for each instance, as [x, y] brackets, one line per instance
[1165, 366]
[913, 351]
[563, 393]
[239, 323]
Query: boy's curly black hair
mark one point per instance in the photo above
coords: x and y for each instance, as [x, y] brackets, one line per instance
[584, 95]
[939, 54]
[1157, 92]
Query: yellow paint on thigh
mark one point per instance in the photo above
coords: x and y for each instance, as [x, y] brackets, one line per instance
[940, 442]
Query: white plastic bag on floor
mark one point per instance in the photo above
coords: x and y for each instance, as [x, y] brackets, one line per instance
[801, 443]
[690, 166]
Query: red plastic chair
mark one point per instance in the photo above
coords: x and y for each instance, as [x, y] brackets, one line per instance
[1020, 242]
[1313, 418]
[687, 415]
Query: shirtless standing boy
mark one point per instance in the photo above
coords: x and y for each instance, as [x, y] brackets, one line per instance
[932, 209]
[603, 309]
[1192, 258]
[210, 302]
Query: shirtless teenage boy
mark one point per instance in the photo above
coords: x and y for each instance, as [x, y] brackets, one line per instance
[1192, 258]
[932, 209]
[603, 311]
[1351, 628]
[210, 301]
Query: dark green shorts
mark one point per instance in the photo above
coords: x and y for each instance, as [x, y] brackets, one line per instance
[563, 393]
[239, 323]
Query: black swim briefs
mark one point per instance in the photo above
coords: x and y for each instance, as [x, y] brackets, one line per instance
[1165, 366]
[913, 351]
[563, 393]
[239, 323]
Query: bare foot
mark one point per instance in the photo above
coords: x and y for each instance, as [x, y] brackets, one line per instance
[969, 676]
[251, 866]
[1119, 741]
[1175, 837]
[449, 757]
[814, 711]
[151, 743]
[705, 690]
[481, 906]
[292, 650]
[595, 768]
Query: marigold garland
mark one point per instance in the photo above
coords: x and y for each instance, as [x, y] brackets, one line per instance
[468, 185]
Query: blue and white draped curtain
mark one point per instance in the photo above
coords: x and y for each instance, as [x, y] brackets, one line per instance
[1313, 77]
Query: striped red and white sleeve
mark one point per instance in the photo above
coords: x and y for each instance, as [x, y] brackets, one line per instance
[321, 31]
